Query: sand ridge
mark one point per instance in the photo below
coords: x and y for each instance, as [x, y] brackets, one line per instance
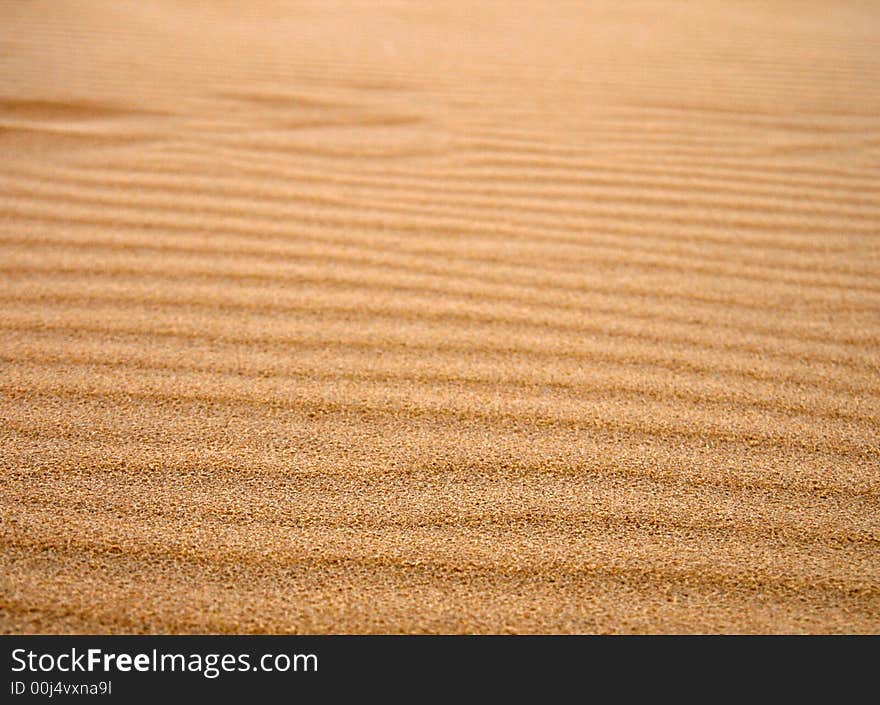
[439, 317]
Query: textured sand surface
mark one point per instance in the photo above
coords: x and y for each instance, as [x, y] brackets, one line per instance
[440, 317]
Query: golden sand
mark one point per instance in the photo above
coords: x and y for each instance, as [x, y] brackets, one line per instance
[440, 317]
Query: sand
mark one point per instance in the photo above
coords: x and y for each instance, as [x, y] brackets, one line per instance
[440, 317]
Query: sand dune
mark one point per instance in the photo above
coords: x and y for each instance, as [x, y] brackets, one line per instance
[440, 317]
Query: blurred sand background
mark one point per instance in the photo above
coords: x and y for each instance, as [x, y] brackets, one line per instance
[440, 316]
